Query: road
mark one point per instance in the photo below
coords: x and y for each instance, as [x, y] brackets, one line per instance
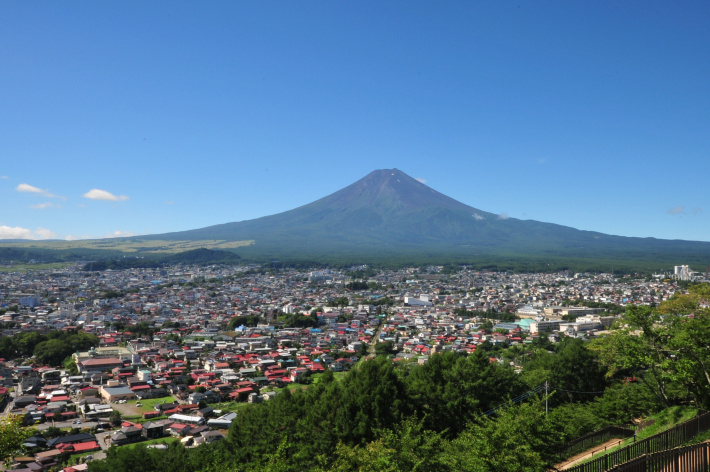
[66, 424]
[11, 402]
[376, 337]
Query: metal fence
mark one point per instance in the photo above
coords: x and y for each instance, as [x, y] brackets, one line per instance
[695, 458]
[592, 439]
[659, 442]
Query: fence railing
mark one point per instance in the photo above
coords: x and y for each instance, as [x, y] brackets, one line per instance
[662, 441]
[695, 458]
[592, 439]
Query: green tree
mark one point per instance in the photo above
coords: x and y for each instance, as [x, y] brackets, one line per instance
[115, 418]
[406, 448]
[574, 371]
[70, 366]
[382, 349]
[637, 348]
[520, 439]
[340, 301]
[450, 390]
[52, 352]
[12, 435]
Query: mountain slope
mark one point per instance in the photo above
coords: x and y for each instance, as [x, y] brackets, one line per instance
[389, 212]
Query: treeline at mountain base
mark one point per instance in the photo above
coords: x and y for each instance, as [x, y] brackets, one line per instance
[455, 413]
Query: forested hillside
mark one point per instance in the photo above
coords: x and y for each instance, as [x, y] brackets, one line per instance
[395, 416]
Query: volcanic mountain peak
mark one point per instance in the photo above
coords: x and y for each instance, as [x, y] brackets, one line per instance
[389, 212]
[390, 190]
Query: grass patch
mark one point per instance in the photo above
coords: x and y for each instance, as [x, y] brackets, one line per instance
[165, 440]
[664, 420]
[228, 407]
[653, 424]
[28, 267]
[148, 405]
[338, 376]
[128, 245]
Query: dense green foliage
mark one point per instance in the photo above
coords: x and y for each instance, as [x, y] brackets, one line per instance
[12, 435]
[52, 348]
[246, 320]
[199, 256]
[385, 416]
[381, 416]
[357, 286]
[489, 314]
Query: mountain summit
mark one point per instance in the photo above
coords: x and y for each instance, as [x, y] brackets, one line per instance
[389, 212]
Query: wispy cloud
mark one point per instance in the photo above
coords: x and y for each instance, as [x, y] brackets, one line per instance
[120, 234]
[541, 161]
[27, 188]
[503, 216]
[4, 177]
[17, 232]
[681, 210]
[419, 179]
[43, 233]
[477, 216]
[169, 202]
[96, 194]
[115, 234]
[43, 206]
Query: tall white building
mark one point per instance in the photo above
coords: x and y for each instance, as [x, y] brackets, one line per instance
[682, 272]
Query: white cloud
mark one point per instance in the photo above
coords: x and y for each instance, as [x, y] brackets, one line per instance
[681, 210]
[477, 216]
[16, 232]
[503, 216]
[120, 234]
[115, 234]
[419, 179]
[42, 206]
[27, 188]
[43, 233]
[96, 194]
[9, 232]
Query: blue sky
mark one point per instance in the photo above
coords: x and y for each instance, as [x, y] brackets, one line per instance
[126, 118]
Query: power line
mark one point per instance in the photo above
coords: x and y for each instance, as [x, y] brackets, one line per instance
[574, 391]
[517, 399]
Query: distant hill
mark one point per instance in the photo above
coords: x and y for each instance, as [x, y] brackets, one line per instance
[389, 213]
[384, 218]
[202, 256]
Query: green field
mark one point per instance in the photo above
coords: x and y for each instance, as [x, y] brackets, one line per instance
[149, 404]
[165, 440]
[134, 245]
[28, 267]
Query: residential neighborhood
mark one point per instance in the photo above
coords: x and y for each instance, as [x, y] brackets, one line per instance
[178, 351]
